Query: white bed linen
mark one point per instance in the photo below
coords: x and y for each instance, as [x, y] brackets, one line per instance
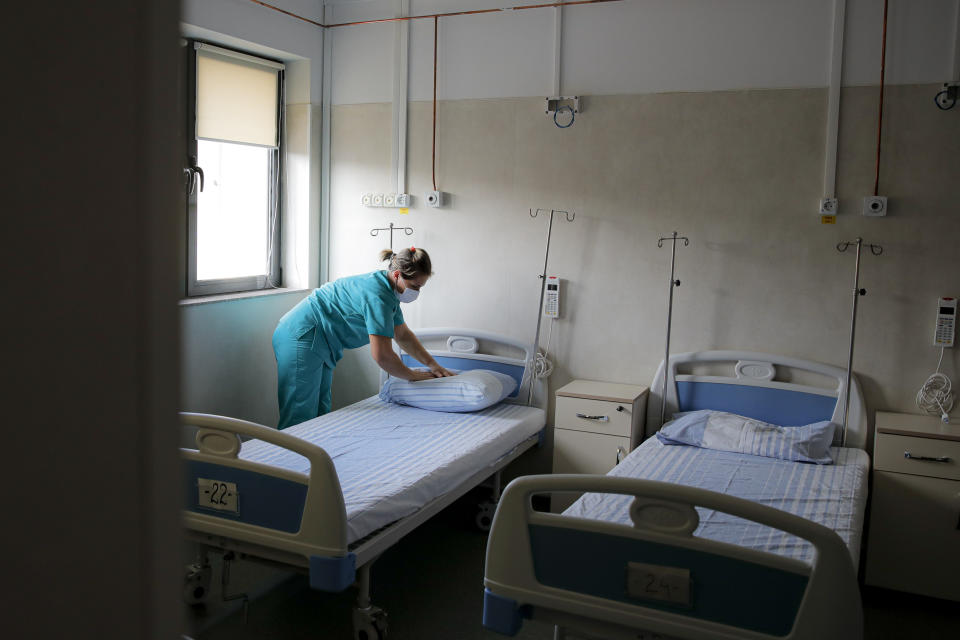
[833, 495]
[392, 459]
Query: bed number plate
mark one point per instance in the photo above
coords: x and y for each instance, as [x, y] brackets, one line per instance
[656, 582]
[214, 494]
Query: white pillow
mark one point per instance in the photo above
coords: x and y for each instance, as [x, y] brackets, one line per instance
[729, 432]
[468, 391]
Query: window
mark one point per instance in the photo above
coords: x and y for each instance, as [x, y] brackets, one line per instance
[234, 125]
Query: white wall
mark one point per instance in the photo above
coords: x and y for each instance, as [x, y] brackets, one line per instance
[739, 171]
[639, 46]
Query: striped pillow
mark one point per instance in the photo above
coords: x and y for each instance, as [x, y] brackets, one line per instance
[468, 391]
[729, 432]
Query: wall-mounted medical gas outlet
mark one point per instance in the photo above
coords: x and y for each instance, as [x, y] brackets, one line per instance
[828, 206]
[946, 322]
[875, 206]
[562, 101]
[435, 198]
[390, 200]
[551, 298]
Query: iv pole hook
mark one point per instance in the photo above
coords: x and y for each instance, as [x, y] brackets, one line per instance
[543, 284]
[674, 282]
[876, 250]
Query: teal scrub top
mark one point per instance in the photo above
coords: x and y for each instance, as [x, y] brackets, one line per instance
[349, 309]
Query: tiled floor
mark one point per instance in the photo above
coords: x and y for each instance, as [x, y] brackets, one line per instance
[431, 586]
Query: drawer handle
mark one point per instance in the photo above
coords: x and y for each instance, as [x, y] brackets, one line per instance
[910, 456]
[597, 418]
[620, 453]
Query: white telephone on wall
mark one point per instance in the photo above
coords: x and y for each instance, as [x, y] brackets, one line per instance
[551, 298]
[946, 322]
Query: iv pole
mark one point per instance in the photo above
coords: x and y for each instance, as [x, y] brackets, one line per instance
[543, 286]
[876, 250]
[673, 283]
[391, 229]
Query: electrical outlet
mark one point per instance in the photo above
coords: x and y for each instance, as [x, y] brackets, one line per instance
[378, 199]
[875, 206]
[389, 199]
[403, 200]
[366, 199]
[828, 206]
[434, 198]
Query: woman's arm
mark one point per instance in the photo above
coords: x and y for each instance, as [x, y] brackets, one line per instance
[381, 349]
[407, 340]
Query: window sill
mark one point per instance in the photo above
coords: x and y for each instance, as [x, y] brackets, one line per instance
[240, 295]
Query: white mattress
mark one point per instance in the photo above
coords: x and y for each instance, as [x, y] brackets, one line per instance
[392, 459]
[833, 495]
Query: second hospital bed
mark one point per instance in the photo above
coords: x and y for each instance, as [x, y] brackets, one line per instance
[329, 495]
[685, 542]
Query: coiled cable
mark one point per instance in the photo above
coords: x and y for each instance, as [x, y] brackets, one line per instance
[542, 365]
[936, 394]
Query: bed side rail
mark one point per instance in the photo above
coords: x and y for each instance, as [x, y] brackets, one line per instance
[656, 576]
[273, 510]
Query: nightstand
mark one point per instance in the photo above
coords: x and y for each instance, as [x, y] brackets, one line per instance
[914, 535]
[595, 425]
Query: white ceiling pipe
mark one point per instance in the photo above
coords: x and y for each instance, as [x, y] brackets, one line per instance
[833, 100]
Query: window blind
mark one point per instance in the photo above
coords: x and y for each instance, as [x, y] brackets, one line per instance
[237, 97]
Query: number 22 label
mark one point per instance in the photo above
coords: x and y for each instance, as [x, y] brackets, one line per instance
[216, 494]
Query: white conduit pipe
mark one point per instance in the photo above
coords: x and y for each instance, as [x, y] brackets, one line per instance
[956, 44]
[401, 72]
[557, 44]
[833, 100]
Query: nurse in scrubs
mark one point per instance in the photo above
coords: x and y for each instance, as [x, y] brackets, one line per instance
[346, 314]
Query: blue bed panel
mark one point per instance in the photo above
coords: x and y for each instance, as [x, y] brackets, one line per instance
[776, 406]
[332, 574]
[723, 590]
[467, 364]
[265, 501]
[501, 614]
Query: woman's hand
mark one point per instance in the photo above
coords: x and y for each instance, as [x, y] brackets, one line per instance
[439, 372]
[419, 374]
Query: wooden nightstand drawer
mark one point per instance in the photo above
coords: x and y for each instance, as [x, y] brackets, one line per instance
[927, 456]
[595, 416]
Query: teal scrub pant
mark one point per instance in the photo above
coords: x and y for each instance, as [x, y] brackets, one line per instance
[303, 378]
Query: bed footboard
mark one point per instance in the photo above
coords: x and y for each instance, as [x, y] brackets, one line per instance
[281, 515]
[656, 576]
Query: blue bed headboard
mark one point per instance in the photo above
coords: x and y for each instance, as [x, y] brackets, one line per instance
[752, 391]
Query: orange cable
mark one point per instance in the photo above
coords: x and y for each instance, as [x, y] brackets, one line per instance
[432, 15]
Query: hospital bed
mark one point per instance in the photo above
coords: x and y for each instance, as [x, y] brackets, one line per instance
[685, 542]
[328, 496]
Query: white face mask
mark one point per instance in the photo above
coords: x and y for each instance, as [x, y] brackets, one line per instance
[409, 294]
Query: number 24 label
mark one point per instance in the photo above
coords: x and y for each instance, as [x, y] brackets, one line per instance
[215, 494]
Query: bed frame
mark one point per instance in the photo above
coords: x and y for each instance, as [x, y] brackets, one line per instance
[298, 521]
[617, 580]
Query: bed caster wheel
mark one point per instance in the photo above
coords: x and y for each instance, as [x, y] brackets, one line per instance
[485, 515]
[369, 624]
[196, 583]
